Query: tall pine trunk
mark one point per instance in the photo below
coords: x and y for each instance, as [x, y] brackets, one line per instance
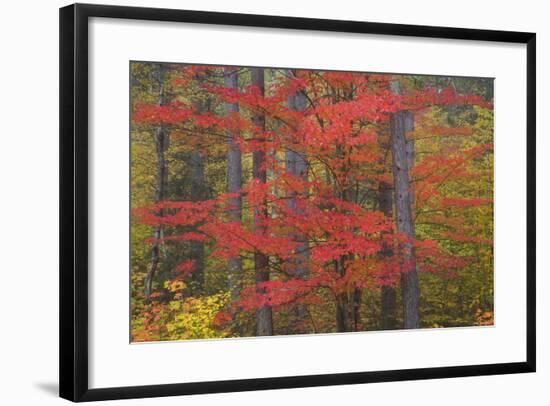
[234, 185]
[400, 122]
[160, 138]
[264, 317]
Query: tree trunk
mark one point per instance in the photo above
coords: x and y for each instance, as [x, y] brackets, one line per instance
[264, 318]
[234, 185]
[296, 164]
[408, 121]
[354, 300]
[348, 302]
[399, 122]
[388, 299]
[356, 315]
[197, 192]
[160, 137]
[342, 316]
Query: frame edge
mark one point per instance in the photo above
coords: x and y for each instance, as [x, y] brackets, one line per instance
[67, 367]
[73, 141]
[73, 203]
[531, 201]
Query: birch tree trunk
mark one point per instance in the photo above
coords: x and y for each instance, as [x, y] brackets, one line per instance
[264, 318]
[399, 123]
[160, 138]
[234, 185]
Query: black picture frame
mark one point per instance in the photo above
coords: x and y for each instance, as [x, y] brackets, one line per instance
[74, 201]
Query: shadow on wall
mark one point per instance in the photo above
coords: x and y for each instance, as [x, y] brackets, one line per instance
[51, 388]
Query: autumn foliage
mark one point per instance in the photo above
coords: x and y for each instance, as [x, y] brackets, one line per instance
[330, 248]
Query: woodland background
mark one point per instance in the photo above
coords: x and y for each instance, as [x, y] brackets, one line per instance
[276, 201]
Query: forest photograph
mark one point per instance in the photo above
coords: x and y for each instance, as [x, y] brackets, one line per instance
[271, 201]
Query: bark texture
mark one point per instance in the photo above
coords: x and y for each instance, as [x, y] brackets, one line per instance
[234, 185]
[264, 317]
[348, 302]
[399, 122]
[296, 164]
[160, 138]
[197, 192]
[388, 295]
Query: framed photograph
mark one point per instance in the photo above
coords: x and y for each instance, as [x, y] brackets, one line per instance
[257, 202]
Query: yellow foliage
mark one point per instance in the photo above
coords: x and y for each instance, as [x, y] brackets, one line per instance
[194, 317]
[174, 286]
[191, 318]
